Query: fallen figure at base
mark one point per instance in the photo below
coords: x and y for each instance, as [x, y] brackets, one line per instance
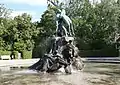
[51, 63]
[66, 56]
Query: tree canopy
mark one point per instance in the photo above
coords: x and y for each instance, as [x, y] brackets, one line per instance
[95, 25]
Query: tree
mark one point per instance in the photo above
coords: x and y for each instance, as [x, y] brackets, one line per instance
[48, 23]
[47, 27]
[96, 23]
[4, 20]
[4, 12]
[26, 30]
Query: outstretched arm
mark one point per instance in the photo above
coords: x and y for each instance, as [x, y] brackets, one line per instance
[52, 3]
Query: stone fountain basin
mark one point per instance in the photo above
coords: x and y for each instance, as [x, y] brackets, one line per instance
[92, 74]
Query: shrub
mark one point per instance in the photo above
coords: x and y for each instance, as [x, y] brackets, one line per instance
[5, 52]
[27, 54]
[8, 53]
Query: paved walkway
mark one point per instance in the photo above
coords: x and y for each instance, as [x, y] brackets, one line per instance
[29, 62]
[18, 62]
[102, 59]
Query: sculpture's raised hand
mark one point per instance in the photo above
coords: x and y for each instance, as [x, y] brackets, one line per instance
[52, 3]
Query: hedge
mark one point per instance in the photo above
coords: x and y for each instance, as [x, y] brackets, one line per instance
[5, 52]
[8, 53]
[99, 53]
[27, 54]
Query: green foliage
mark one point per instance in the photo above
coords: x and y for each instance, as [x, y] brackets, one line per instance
[47, 28]
[16, 54]
[4, 52]
[96, 24]
[106, 52]
[4, 17]
[42, 48]
[25, 31]
[4, 12]
[8, 53]
[47, 24]
[17, 34]
[19, 46]
[27, 54]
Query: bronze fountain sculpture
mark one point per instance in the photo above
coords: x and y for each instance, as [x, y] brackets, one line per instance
[62, 52]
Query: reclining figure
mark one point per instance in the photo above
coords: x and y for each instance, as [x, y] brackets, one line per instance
[50, 63]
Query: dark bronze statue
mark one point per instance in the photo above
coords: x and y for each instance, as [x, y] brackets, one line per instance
[61, 49]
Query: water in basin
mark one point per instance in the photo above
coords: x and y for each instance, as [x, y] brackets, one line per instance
[92, 74]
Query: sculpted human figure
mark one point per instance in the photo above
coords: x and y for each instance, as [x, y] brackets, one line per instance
[61, 51]
[69, 29]
[61, 19]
